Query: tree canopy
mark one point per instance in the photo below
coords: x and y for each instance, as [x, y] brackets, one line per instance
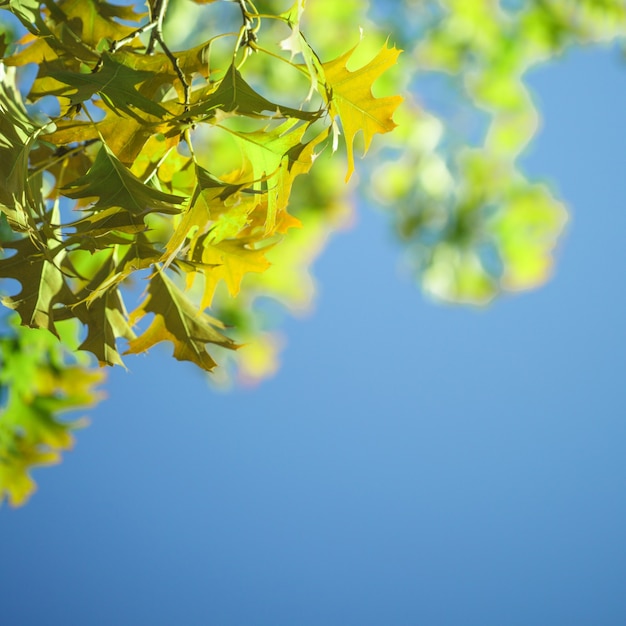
[168, 168]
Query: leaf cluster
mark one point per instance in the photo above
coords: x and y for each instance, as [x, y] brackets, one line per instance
[128, 164]
[111, 185]
[192, 150]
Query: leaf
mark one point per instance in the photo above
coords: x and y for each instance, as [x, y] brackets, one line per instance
[40, 381]
[177, 320]
[104, 314]
[526, 230]
[15, 481]
[106, 321]
[57, 34]
[114, 81]
[232, 258]
[91, 20]
[125, 137]
[41, 280]
[116, 186]
[296, 43]
[18, 134]
[209, 193]
[270, 153]
[235, 94]
[349, 95]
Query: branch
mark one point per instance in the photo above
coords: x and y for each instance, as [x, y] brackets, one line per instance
[155, 25]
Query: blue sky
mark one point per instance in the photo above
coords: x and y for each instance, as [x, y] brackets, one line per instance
[410, 464]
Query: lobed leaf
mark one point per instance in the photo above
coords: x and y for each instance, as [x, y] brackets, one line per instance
[177, 320]
[349, 96]
[114, 185]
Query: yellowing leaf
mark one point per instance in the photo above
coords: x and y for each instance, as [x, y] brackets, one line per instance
[92, 20]
[232, 259]
[15, 481]
[349, 95]
[177, 320]
[208, 198]
[276, 157]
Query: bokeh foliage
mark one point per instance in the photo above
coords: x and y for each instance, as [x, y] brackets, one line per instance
[199, 183]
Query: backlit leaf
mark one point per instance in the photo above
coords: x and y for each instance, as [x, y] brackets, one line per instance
[232, 259]
[116, 186]
[177, 320]
[349, 95]
[42, 282]
[114, 81]
[235, 94]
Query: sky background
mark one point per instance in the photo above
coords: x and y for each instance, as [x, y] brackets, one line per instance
[410, 464]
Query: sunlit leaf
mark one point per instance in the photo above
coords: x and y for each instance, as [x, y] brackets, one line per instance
[349, 95]
[232, 259]
[235, 94]
[177, 320]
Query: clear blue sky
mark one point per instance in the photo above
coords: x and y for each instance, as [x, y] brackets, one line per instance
[411, 464]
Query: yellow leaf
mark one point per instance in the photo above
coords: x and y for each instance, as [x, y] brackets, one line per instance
[15, 480]
[349, 95]
[233, 260]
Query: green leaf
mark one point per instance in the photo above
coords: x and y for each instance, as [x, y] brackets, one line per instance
[116, 186]
[18, 134]
[104, 314]
[272, 154]
[42, 282]
[41, 381]
[114, 81]
[235, 94]
[106, 321]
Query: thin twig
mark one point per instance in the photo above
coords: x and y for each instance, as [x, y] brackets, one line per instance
[155, 25]
[248, 33]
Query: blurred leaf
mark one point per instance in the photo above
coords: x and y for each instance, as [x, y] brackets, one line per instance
[40, 382]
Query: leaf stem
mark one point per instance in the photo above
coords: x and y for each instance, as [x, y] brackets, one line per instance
[155, 25]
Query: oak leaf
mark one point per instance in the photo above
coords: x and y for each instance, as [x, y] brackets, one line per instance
[235, 94]
[116, 186]
[114, 81]
[232, 260]
[349, 95]
[42, 282]
[177, 320]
